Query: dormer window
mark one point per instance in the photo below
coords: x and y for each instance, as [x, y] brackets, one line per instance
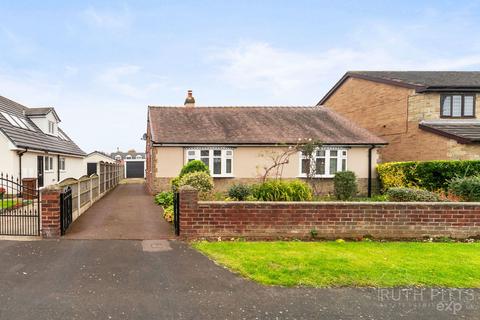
[118, 157]
[138, 157]
[128, 157]
[51, 127]
[457, 106]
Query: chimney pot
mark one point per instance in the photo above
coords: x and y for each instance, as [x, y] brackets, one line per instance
[190, 100]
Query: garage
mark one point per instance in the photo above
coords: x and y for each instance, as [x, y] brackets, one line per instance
[135, 169]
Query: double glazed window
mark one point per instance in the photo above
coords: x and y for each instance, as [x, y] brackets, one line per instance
[219, 161]
[48, 163]
[323, 163]
[457, 105]
[51, 127]
[61, 164]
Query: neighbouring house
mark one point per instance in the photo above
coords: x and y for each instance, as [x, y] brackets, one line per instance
[93, 159]
[32, 145]
[424, 115]
[134, 162]
[236, 142]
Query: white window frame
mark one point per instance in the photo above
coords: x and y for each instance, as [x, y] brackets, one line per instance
[226, 154]
[51, 127]
[138, 157]
[48, 163]
[118, 157]
[128, 157]
[62, 164]
[342, 154]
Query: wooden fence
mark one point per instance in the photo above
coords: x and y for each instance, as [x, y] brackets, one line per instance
[88, 189]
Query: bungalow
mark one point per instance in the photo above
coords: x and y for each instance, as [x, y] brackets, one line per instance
[424, 115]
[94, 158]
[32, 145]
[235, 143]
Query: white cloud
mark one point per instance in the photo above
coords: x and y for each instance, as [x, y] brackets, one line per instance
[131, 81]
[108, 19]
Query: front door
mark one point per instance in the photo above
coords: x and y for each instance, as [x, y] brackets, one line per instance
[40, 171]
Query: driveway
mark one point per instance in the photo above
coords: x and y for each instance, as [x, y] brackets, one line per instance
[123, 279]
[127, 212]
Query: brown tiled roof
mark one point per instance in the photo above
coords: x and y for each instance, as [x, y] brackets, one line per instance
[461, 131]
[253, 125]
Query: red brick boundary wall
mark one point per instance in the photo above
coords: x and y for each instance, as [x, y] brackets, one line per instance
[274, 220]
[50, 213]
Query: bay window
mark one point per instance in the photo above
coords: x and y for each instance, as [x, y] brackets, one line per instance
[218, 160]
[323, 163]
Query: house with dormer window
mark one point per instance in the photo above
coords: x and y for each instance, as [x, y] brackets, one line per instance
[32, 145]
[424, 115]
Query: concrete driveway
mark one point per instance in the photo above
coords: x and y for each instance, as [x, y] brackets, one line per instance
[127, 212]
[123, 279]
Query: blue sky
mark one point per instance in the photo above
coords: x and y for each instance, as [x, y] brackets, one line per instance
[101, 63]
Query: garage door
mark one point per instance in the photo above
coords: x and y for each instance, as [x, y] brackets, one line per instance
[135, 169]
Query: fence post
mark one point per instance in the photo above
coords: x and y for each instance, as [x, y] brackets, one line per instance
[90, 185]
[79, 194]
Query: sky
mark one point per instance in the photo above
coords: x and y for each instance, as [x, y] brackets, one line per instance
[101, 63]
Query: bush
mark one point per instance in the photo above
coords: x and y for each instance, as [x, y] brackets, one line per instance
[411, 194]
[174, 183]
[429, 175]
[239, 192]
[164, 199]
[194, 166]
[168, 213]
[468, 188]
[198, 180]
[278, 190]
[345, 185]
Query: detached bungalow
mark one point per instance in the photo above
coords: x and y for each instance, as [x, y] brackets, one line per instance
[33, 146]
[235, 143]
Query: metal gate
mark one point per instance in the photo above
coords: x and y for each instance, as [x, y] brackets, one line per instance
[176, 213]
[19, 207]
[65, 209]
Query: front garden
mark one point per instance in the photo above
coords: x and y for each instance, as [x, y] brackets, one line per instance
[430, 181]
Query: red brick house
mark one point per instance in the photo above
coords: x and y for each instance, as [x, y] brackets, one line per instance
[424, 115]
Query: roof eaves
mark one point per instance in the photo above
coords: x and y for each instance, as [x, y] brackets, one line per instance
[445, 134]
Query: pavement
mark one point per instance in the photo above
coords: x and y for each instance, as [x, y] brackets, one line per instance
[126, 212]
[160, 279]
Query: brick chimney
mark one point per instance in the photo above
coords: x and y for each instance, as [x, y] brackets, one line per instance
[190, 100]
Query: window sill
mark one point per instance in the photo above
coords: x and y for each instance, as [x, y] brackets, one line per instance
[223, 176]
[317, 177]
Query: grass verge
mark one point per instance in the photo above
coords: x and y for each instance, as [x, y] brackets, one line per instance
[329, 264]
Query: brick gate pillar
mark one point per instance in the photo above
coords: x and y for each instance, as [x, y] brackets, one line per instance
[51, 213]
[188, 209]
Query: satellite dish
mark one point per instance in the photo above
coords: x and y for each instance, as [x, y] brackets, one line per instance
[144, 137]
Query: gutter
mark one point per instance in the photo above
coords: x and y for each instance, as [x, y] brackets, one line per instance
[370, 170]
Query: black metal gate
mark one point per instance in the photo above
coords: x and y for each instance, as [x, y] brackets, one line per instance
[176, 213]
[19, 207]
[65, 209]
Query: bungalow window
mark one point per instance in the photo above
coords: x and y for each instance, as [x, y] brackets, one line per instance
[325, 163]
[219, 161]
[457, 105]
[51, 127]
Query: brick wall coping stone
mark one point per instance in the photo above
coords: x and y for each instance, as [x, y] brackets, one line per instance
[336, 203]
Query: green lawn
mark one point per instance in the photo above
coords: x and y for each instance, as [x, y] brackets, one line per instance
[327, 264]
[7, 203]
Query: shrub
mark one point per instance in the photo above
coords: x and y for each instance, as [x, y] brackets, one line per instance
[168, 213]
[164, 199]
[174, 183]
[239, 192]
[194, 166]
[198, 180]
[467, 188]
[278, 190]
[429, 175]
[345, 185]
[411, 194]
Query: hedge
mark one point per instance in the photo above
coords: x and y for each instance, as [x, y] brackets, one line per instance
[429, 175]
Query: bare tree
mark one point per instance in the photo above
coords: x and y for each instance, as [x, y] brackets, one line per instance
[307, 147]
